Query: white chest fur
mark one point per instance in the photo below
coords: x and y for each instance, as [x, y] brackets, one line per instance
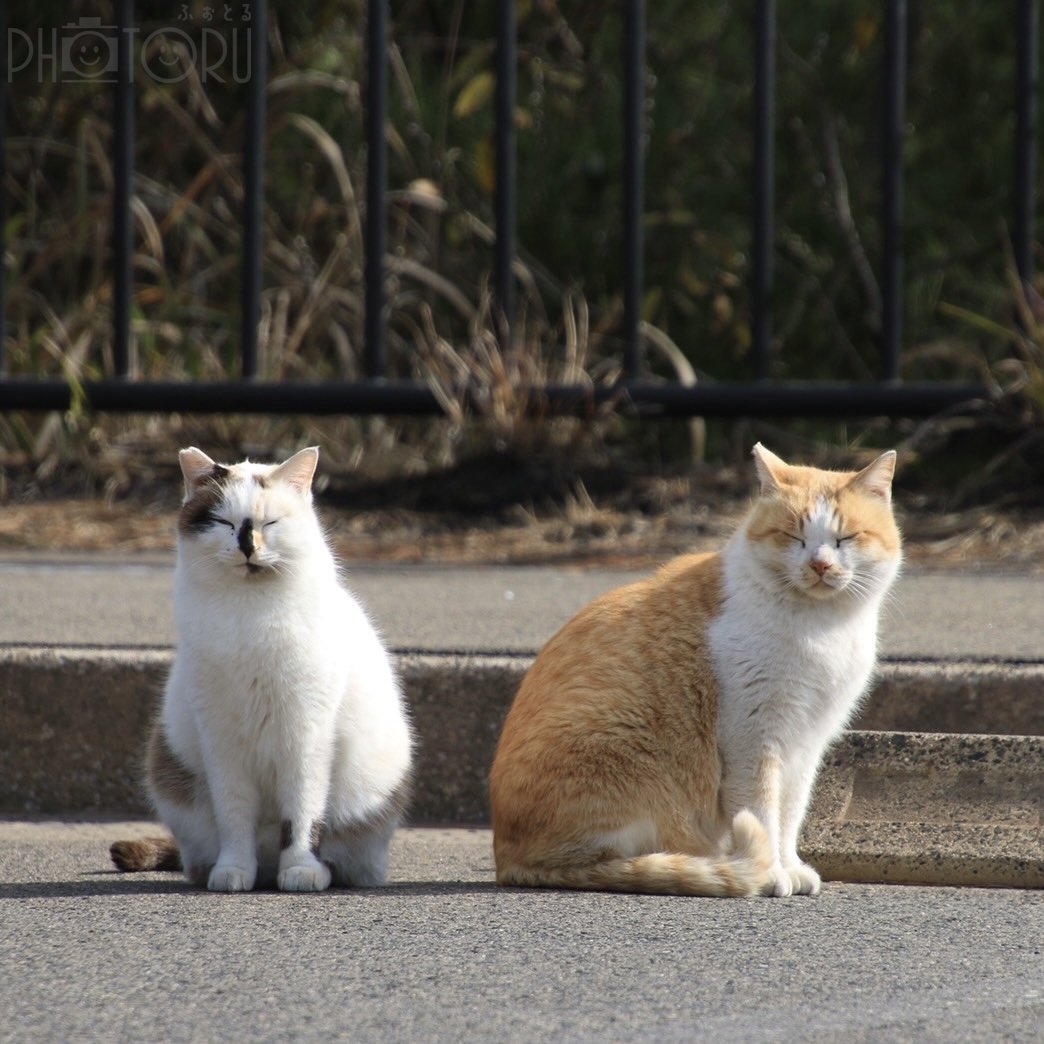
[788, 668]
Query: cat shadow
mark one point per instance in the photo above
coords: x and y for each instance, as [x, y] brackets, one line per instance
[96, 884]
[424, 889]
[103, 884]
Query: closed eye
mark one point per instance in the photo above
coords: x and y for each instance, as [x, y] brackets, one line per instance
[223, 522]
[794, 536]
[272, 523]
[844, 539]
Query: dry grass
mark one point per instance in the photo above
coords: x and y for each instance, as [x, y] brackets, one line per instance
[187, 193]
[88, 482]
[641, 521]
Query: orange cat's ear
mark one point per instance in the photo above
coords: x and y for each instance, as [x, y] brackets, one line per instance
[771, 468]
[299, 470]
[196, 466]
[876, 478]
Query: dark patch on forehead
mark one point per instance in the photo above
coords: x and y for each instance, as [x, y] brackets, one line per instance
[197, 513]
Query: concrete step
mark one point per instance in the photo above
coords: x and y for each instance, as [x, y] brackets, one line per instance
[948, 789]
[918, 808]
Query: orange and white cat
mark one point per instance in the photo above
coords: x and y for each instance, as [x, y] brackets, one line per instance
[667, 739]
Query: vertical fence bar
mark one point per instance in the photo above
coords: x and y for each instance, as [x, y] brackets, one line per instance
[376, 184]
[1027, 31]
[634, 184]
[764, 187]
[894, 117]
[3, 185]
[505, 204]
[253, 187]
[123, 173]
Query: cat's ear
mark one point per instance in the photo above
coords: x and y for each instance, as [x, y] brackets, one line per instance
[876, 478]
[771, 468]
[197, 468]
[299, 470]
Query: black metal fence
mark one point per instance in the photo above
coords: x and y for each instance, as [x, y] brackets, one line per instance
[375, 394]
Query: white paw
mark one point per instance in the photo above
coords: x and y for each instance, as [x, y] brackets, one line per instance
[804, 879]
[231, 879]
[793, 879]
[780, 884]
[304, 878]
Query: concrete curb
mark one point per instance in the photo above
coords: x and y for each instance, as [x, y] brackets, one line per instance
[961, 696]
[917, 808]
[892, 805]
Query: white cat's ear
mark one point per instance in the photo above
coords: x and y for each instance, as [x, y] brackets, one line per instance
[299, 470]
[196, 466]
[770, 468]
[876, 478]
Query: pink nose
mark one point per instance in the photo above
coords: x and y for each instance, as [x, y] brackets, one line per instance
[819, 565]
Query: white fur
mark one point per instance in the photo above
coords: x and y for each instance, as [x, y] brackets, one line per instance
[281, 696]
[635, 839]
[793, 654]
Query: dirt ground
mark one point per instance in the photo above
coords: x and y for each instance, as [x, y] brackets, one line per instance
[487, 515]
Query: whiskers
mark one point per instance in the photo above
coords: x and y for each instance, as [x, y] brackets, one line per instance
[786, 585]
[281, 568]
[891, 603]
[212, 558]
[218, 562]
[854, 585]
[862, 585]
[867, 582]
[265, 568]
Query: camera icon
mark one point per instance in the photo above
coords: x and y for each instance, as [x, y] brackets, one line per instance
[88, 51]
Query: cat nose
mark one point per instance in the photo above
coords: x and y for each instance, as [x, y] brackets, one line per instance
[820, 565]
[245, 538]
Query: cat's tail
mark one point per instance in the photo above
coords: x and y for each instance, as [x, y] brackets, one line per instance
[745, 870]
[148, 853]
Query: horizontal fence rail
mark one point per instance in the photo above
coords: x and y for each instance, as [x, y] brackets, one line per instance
[122, 391]
[411, 398]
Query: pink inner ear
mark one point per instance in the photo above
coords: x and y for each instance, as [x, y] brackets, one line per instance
[877, 478]
[196, 466]
[770, 468]
[299, 470]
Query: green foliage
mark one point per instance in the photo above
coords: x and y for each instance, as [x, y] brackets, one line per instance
[698, 201]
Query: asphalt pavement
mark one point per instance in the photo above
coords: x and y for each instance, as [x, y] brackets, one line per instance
[441, 954]
[124, 602]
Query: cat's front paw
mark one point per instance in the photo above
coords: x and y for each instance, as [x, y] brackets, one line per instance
[780, 883]
[304, 878]
[804, 879]
[231, 879]
[792, 879]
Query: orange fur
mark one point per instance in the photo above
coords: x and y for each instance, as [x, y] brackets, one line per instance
[609, 774]
[577, 758]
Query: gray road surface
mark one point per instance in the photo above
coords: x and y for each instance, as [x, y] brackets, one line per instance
[126, 602]
[443, 955]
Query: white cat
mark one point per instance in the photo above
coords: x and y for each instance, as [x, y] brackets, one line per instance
[282, 752]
